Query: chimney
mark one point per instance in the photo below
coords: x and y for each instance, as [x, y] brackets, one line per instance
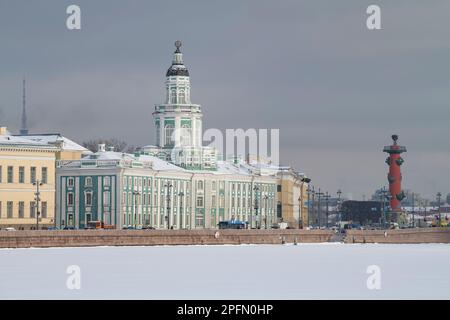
[101, 147]
[111, 148]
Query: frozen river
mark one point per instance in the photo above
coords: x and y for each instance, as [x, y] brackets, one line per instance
[306, 271]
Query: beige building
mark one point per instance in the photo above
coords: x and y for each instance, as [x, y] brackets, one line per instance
[292, 198]
[24, 164]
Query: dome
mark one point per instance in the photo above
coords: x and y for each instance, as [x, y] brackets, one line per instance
[177, 68]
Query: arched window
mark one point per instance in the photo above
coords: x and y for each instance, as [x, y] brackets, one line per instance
[169, 128]
[185, 135]
[173, 96]
[181, 97]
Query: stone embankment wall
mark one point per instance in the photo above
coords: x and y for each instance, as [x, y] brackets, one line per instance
[87, 238]
[426, 235]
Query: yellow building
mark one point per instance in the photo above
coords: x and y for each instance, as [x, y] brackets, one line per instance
[292, 199]
[26, 165]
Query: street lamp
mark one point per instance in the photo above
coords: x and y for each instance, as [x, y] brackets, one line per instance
[37, 199]
[168, 185]
[339, 192]
[300, 199]
[438, 197]
[266, 197]
[181, 195]
[256, 189]
[319, 195]
[327, 198]
[135, 193]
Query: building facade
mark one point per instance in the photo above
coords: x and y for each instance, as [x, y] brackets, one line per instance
[144, 191]
[25, 166]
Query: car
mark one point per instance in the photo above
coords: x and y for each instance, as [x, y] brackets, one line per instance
[10, 229]
[52, 228]
[69, 228]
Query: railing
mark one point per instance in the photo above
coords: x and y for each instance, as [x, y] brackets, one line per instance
[93, 163]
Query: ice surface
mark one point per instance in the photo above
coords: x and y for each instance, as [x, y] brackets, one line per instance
[306, 271]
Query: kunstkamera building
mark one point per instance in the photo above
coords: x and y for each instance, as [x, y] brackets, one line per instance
[177, 183]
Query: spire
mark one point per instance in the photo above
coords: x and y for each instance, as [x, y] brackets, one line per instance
[177, 68]
[24, 128]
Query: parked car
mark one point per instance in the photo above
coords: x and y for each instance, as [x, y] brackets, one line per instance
[52, 228]
[69, 228]
[10, 229]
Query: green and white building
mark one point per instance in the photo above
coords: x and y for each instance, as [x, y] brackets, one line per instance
[178, 183]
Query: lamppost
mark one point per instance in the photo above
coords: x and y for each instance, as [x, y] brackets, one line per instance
[37, 199]
[168, 185]
[327, 198]
[413, 222]
[300, 200]
[256, 189]
[181, 195]
[438, 197]
[136, 194]
[308, 191]
[384, 195]
[319, 195]
[339, 192]
[266, 197]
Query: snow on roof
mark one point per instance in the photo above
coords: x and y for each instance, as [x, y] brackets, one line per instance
[157, 163]
[13, 140]
[53, 139]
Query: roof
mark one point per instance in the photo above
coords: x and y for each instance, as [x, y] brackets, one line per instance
[19, 141]
[53, 139]
[157, 164]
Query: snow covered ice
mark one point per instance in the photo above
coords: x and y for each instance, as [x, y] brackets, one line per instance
[306, 271]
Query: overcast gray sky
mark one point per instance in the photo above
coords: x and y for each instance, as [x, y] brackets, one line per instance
[336, 90]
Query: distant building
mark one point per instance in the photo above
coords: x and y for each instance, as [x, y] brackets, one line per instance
[362, 212]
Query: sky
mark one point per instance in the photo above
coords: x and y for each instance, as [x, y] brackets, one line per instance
[336, 90]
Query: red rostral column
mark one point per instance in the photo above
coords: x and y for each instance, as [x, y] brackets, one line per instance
[395, 176]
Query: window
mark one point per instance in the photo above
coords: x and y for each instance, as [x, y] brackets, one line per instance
[185, 135]
[32, 209]
[200, 185]
[88, 182]
[0, 208]
[199, 201]
[44, 174]
[70, 182]
[70, 222]
[21, 209]
[169, 129]
[33, 174]
[9, 209]
[10, 174]
[107, 181]
[70, 199]
[106, 198]
[222, 201]
[181, 97]
[44, 209]
[88, 200]
[21, 174]
[173, 96]
[0, 174]
[213, 201]
[214, 185]
[279, 188]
